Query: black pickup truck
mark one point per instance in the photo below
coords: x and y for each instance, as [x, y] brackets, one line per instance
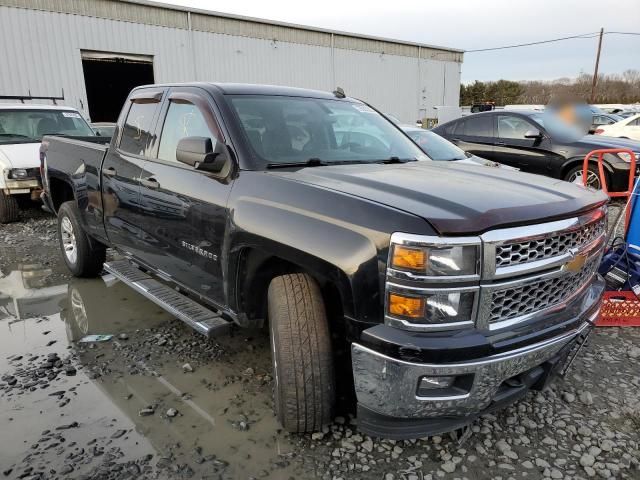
[454, 289]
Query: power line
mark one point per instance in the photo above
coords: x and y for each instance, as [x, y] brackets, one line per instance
[622, 33]
[581, 36]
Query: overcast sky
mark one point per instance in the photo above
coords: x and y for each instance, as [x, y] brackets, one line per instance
[472, 24]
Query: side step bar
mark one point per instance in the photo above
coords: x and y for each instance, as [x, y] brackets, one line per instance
[198, 317]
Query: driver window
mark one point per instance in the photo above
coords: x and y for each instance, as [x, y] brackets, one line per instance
[182, 120]
[513, 127]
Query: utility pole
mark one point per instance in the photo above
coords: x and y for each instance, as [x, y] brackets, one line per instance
[594, 82]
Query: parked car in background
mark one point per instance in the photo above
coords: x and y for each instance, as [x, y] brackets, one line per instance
[626, 128]
[21, 130]
[602, 119]
[628, 113]
[423, 282]
[540, 143]
[103, 129]
[442, 150]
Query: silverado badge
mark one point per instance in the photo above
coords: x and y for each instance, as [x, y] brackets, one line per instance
[199, 250]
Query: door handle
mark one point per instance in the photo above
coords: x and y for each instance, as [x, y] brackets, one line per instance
[109, 172]
[151, 183]
[500, 144]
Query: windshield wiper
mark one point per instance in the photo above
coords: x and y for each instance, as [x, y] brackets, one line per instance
[312, 162]
[397, 160]
[15, 135]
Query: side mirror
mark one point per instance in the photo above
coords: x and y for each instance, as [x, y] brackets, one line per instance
[201, 155]
[533, 134]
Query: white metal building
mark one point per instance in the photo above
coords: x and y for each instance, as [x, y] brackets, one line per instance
[95, 50]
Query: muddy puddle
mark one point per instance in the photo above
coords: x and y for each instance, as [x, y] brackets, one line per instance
[155, 401]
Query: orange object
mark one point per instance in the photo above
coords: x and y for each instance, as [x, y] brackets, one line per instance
[406, 306]
[409, 258]
[600, 153]
[619, 309]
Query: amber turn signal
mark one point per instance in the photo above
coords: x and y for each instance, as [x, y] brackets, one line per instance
[406, 306]
[408, 258]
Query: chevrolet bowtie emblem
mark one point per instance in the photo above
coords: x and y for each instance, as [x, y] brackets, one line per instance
[576, 263]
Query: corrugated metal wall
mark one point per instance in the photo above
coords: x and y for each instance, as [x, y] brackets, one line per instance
[40, 52]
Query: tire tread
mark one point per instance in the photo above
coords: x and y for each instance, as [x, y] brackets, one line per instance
[304, 400]
[9, 209]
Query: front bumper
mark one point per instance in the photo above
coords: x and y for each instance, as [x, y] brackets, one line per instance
[19, 187]
[387, 388]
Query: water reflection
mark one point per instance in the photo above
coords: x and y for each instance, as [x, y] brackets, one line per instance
[25, 293]
[135, 373]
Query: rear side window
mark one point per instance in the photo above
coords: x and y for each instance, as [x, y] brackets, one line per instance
[480, 126]
[136, 133]
[183, 120]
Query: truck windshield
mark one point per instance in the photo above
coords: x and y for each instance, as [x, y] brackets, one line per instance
[293, 130]
[29, 126]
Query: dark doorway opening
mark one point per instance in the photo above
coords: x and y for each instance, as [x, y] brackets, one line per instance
[108, 80]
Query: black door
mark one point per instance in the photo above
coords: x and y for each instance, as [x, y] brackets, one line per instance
[185, 209]
[513, 148]
[122, 169]
[474, 134]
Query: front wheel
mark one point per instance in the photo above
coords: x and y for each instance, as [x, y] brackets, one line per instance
[8, 208]
[593, 176]
[301, 353]
[83, 256]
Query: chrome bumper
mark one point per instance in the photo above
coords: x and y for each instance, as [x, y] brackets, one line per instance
[389, 386]
[13, 187]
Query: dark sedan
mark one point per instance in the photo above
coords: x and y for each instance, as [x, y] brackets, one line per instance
[442, 150]
[540, 143]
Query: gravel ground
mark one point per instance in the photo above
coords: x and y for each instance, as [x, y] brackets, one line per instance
[159, 401]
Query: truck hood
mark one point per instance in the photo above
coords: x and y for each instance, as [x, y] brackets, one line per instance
[453, 197]
[20, 155]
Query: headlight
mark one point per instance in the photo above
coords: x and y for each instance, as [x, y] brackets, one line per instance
[440, 258]
[432, 282]
[433, 308]
[18, 173]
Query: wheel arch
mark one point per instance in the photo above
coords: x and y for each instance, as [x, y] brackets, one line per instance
[256, 267]
[579, 161]
[60, 191]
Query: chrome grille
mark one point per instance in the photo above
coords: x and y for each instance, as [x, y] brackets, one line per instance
[509, 254]
[516, 301]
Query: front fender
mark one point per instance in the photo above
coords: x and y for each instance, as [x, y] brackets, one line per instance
[334, 236]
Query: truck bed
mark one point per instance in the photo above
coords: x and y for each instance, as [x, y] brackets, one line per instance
[76, 162]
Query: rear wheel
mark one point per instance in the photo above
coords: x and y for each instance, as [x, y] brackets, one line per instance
[8, 208]
[83, 256]
[593, 176]
[301, 353]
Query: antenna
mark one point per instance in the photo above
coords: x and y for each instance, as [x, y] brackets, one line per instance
[339, 92]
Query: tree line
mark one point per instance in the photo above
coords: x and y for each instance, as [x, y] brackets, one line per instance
[612, 88]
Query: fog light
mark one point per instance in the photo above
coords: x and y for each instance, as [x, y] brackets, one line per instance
[445, 386]
[432, 383]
